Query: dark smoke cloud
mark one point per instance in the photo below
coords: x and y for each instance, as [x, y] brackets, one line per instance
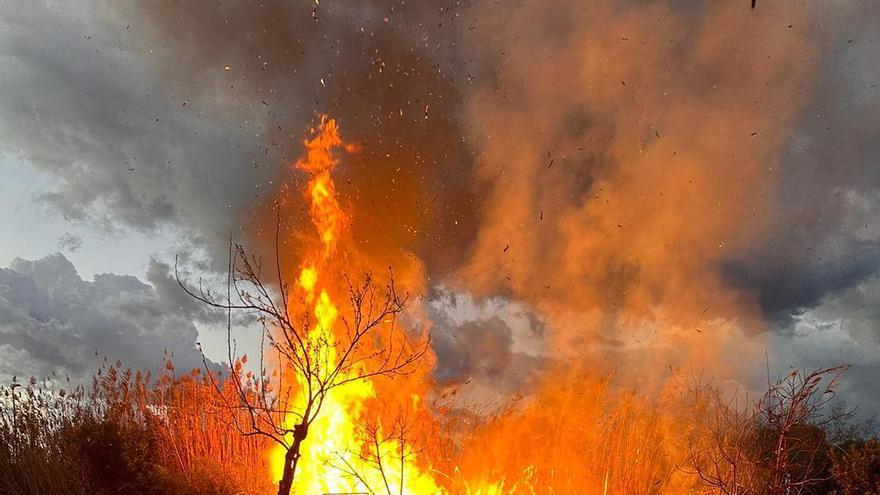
[188, 115]
[384, 70]
[52, 321]
[815, 274]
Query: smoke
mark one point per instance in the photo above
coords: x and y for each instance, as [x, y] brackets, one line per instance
[668, 181]
[380, 68]
[630, 150]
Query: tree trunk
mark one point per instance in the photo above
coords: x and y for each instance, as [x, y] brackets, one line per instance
[291, 458]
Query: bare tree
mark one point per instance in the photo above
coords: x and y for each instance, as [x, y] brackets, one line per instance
[774, 446]
[793, 415]
[311, 360]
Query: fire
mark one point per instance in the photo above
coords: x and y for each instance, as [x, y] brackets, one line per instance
[333, 454]
[326, 213]
[573, 436]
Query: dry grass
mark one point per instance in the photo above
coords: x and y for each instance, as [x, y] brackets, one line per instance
[128, 432]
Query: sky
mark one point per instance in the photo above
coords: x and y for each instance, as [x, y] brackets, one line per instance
[633, 182]
[33, 228]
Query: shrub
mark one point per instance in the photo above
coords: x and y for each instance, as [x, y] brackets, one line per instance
[856, 468]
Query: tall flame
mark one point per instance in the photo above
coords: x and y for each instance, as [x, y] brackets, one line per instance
[546, 446]
[335, 437]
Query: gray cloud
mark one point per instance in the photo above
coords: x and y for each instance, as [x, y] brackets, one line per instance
[844, 328]
[487, 350]
[69, 242]
[120, 147]
[53, 321]
[472, 348]
[825, 235]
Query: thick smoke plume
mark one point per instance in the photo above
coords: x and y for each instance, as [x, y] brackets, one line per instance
[629, 152]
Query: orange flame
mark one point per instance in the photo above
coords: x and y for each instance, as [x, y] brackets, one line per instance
[335, 437]
[319, 161]
[574, 437]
